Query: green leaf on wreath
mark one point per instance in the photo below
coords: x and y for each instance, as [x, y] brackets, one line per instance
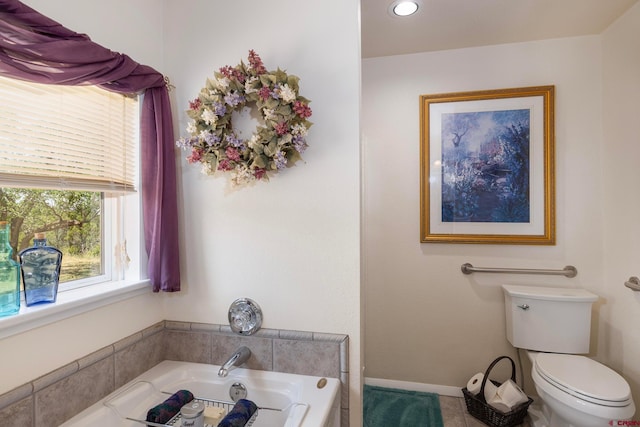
[271, 103]
[292, 81]
[284, 110]
[281, 76]
[292, 157]
[271, 148]
[260, 162]
[213, 161]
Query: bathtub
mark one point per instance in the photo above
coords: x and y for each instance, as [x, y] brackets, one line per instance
[285, 400]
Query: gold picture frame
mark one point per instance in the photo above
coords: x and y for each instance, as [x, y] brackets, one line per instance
[487, 167]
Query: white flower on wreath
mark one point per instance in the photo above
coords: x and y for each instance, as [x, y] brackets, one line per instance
[222, 83]
[249, 85]
[299, 130]
[242, 175]
[191, 127]
[209, 117]
[269, 114]
[287, 94]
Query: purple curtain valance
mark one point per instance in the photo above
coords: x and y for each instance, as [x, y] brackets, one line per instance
[35, 48]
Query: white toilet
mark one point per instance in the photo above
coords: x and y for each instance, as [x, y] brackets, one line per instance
[553, 325]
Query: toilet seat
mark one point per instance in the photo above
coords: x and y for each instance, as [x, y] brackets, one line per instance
[583, 378]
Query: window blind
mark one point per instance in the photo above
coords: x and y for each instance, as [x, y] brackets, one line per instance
[67, 137]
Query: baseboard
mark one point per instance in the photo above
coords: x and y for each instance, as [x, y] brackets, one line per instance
[443, 390]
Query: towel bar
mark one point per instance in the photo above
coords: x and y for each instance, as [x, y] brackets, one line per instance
[568, 271]
[633, 283]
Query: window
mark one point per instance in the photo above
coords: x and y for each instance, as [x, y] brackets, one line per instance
[68, 167]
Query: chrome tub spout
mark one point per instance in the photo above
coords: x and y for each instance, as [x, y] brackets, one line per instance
[240, 356]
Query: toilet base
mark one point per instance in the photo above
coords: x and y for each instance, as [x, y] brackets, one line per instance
[537, 417]
[541, 416]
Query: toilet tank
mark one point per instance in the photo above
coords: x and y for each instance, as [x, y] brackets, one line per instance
[555, 320]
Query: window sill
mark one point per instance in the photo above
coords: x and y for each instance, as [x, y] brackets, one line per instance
[70, 303]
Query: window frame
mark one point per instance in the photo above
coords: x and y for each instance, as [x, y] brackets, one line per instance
[117, 283]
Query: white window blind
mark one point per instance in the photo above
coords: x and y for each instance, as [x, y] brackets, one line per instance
[67, 137]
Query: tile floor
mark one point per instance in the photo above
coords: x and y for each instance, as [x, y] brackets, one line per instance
[454, 413]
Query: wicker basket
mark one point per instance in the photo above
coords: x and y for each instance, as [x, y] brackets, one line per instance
[478, 407]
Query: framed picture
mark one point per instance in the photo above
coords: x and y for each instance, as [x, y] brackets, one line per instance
[487, 167]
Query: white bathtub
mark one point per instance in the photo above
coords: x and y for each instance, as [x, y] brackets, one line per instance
[298, 400]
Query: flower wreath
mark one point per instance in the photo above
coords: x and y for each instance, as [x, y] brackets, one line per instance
[275, 144]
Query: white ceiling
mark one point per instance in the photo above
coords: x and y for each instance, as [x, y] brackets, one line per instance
[453, 24]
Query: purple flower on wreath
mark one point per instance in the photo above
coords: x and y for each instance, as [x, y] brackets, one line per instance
[299, 143]
[186, 142]
[233, 99]
[280, 160]
[275, 93]
[219, 109]
[211, 139]
[234, 141]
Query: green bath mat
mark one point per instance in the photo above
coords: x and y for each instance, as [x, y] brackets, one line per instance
[389, 407]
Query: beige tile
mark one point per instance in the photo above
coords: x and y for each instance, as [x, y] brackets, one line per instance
[19, 413]
[55, 376]
[153, 329]
[127, 341]
[295, 335]
[344, 418]
[67, 397]
[307, 357]
[138, 358]
[344, 355]
[187, 346]
[205, 327]
[224, 345]
[96, 356]
[177, 325]
[452, 411]
[15, 395]
[344, 390]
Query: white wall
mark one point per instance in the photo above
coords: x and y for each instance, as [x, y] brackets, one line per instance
[619, 343]
[456, 322]
[425, 321]
[293, 244]
[26, 356]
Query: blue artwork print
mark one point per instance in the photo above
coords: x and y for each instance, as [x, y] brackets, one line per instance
[485, 166]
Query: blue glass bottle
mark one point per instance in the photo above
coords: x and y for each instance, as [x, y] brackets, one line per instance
[9, 274]
[40, 271]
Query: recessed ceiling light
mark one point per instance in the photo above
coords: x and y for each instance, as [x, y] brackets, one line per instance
[404, 8]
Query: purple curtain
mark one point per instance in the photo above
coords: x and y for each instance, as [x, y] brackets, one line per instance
[38, 49]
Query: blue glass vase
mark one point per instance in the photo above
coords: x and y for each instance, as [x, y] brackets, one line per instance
[40, 271]
[9, 274]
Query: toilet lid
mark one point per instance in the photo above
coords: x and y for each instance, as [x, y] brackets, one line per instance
[583, 378]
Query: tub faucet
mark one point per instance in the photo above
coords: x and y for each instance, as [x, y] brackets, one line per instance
[240, 356]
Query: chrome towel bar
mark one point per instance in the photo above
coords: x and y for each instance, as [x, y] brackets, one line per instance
[568, 271]
[633, 283]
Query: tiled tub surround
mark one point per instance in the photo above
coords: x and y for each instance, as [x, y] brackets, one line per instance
[54, 398]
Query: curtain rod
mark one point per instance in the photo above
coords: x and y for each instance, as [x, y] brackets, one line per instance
[568, 271]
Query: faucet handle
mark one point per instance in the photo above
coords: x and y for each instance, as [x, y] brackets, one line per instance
[245, 316]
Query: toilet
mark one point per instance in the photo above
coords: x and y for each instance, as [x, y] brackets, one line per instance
[553, 325]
